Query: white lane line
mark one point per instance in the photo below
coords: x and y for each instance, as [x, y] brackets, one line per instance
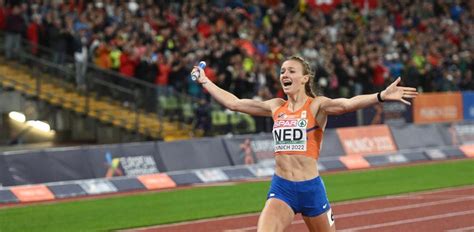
[429, 197]
[375, 211]
[462, 229]
[412, 194]
[411, 206]
[407, 221]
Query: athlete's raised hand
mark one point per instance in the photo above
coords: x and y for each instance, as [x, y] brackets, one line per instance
[201, 78]
[398, 93]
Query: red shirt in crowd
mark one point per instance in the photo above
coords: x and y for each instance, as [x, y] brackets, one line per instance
[379, 72]
[33, 36]
[127, 65]
[3, 17]
[163, 75]
[204, 29]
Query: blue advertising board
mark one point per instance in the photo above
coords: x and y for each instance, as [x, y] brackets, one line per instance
[468, 105]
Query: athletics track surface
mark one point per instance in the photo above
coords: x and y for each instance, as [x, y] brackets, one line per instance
[450, 209]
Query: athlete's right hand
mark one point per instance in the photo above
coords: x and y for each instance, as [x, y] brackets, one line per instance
[202, 79]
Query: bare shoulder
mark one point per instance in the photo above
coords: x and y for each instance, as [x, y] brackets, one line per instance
[317, 102]
[274, 103]
[320, 99]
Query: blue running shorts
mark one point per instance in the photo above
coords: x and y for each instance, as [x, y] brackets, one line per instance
[306, 197]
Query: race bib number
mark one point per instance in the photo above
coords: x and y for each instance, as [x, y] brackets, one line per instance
[290, 135]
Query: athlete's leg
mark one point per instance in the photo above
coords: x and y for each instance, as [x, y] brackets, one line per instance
[322, 223]
[275, 217]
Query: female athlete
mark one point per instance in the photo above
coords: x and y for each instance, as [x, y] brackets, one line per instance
[299, 123]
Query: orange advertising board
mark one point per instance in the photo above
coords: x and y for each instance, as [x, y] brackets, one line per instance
[157, 181]
[438, 107]
[375, 139]
[32, 193]
[354, 161]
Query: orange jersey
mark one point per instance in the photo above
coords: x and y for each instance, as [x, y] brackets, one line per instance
[297, 133]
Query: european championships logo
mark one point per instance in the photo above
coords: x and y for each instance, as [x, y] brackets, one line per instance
[113, 165]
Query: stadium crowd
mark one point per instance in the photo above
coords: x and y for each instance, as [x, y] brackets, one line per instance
[355, 46]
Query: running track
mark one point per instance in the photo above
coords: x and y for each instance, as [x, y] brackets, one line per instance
[449, 209]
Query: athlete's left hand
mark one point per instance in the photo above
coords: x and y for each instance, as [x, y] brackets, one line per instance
[398, 93]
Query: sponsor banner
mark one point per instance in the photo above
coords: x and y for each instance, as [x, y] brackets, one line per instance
[354, 162]
[211, 175]
[97, 186]
[438, 107]
[193, 154]
[156, 181]
[468, 150]
[29, 167]
[453, 152]
[435, 154]
[6, 196]
[397, 158]
[393, 113]
[468, 105]
[331, 145]
[67, 190]
[185, 178]
[127, 184]
[367, 140]
[343, 120]
[32, 193]
[262, 171]
[334, 164]
[238, 173]
[123, 159]
[5, 176]
[410, 136]
[415, 156]
[377, 160]
[249, 149]
[68, 164]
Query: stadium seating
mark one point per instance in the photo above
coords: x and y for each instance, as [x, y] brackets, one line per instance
[16, 77]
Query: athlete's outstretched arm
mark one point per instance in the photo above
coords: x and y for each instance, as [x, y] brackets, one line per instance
[230, 101]
[391, 93]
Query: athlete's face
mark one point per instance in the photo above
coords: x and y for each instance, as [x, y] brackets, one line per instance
[291, 77]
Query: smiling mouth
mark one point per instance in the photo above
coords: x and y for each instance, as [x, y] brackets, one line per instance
[286, 84]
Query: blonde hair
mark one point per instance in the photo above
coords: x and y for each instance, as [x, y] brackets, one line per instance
[307, 70]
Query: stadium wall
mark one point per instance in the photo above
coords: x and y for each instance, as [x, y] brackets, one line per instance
[135, 159]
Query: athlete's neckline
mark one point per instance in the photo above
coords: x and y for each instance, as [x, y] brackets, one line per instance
[299, 109]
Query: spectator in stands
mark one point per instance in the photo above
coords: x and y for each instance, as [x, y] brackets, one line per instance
[351, 47]
[128, 61]
[58, 38]
[81, 57]
[3, 15]
[35, 31]
[15, 26]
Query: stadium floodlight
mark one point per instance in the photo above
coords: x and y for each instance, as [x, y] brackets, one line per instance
[17, 116]
[40, 125]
